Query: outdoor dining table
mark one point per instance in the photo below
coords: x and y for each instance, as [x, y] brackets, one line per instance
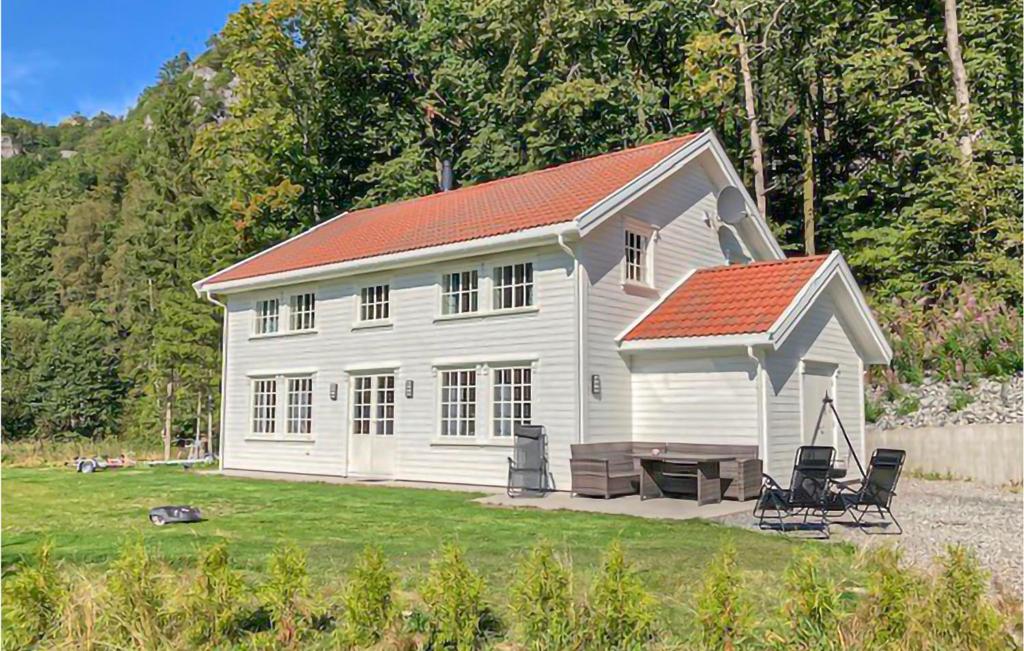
[682, 473]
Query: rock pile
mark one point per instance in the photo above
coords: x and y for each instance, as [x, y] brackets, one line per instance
[935, 403]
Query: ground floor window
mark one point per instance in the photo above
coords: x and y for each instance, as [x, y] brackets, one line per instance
[264, 406]
[512, 399]
[458, 403]
[373, 404]
[300, 405]
[294, 393]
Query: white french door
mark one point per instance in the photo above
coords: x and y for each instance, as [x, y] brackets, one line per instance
[372, 447]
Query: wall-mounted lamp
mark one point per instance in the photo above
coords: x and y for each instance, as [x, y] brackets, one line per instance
[408, 388]
[334, 390]
[595, 384]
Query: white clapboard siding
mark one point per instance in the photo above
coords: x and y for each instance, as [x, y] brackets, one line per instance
[415, 341]
[819, 337]
[695, 400]
[677, 207]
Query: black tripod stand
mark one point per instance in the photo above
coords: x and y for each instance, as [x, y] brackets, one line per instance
[828, 403]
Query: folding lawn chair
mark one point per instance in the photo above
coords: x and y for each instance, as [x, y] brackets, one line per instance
[807, 496]
[528, 467]
[875, 491]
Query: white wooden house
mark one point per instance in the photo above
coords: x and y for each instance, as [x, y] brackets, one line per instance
[604, 299]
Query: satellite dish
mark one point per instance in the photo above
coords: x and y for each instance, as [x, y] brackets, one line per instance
[731, 206]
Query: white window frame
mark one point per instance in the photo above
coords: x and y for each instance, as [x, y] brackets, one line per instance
[302, 311]
[462, 294]
[487, 370]
[262, 318]
[376, 422]
[282, 420]
[649, 235]
[299, 415]
[263, 403]
[379, 309]
[527, 285]
[445, 404]
[524, 401]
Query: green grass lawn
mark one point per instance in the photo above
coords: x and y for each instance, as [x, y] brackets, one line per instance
[88, 516]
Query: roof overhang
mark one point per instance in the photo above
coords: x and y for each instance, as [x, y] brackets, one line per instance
[867, 335]
[706, 142]
[552, 234]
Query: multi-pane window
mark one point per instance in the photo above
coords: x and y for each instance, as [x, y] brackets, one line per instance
[373, 405]
[513, 399]
[374, 303]
[264, 406]
[300, 405]
[267, 316]
[513, 286]
[302, 308]
[458, 403]
[385, 405]
[459, 292]
[636, 258]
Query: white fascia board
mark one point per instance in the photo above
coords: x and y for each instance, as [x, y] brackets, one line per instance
[723, 160]
[691, 343]
[497, 243]
[202, 285]
[655, 305]
[373, 366]
[593, 216]
[833, 267]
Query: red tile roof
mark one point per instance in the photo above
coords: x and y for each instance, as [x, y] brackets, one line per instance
[739, 299]
[542, 198]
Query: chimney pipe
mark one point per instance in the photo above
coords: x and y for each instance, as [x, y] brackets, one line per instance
[446, 175]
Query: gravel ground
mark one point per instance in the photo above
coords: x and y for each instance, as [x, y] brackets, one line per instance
[934, 514]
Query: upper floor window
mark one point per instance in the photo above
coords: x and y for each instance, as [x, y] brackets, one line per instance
[374, 303]
[513, 286]
[459, 292]
[303, 311]
[637, 258]
[267, 316]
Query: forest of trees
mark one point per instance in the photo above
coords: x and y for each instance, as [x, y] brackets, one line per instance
[890, 130]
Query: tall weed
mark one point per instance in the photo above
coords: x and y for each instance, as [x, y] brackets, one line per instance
[368, 601]
[813, 606]
[35, 599]
[453, 597]
[888, 616]
[285, 594]
[133, 613]
[723, 609]
[961, 615]
[541, 601]
[214, 603]
[621, 612]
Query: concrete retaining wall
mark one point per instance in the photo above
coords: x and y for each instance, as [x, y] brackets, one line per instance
[990, 453]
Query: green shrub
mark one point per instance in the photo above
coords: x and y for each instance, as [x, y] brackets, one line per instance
[959, 399]
[367, 602]
[872, 410]
[214, 603]
[888, 610]
[960, 614]
[620, 611]
[812, 606]
[133, 612]
[541, 599]
[723, 611]
[453, 598]
[908, 405]
[285, 595]
[35, 598]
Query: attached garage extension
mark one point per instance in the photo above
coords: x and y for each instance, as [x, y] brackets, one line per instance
[745, 354]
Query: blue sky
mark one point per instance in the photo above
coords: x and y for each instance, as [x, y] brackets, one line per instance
[59, 57]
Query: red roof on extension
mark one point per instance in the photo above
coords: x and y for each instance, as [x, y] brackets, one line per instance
[739, 299]
[542, 198]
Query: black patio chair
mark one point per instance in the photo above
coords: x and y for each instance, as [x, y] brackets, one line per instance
[528, 465]
[806, 498]
[875, 491]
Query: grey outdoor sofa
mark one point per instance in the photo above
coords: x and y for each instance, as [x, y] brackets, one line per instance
[612, 469]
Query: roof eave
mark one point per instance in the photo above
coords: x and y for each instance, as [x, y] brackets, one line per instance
[506, 242]
[696, 343]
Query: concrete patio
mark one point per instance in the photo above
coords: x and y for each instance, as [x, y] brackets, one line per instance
[666, 509]
[663, 508]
